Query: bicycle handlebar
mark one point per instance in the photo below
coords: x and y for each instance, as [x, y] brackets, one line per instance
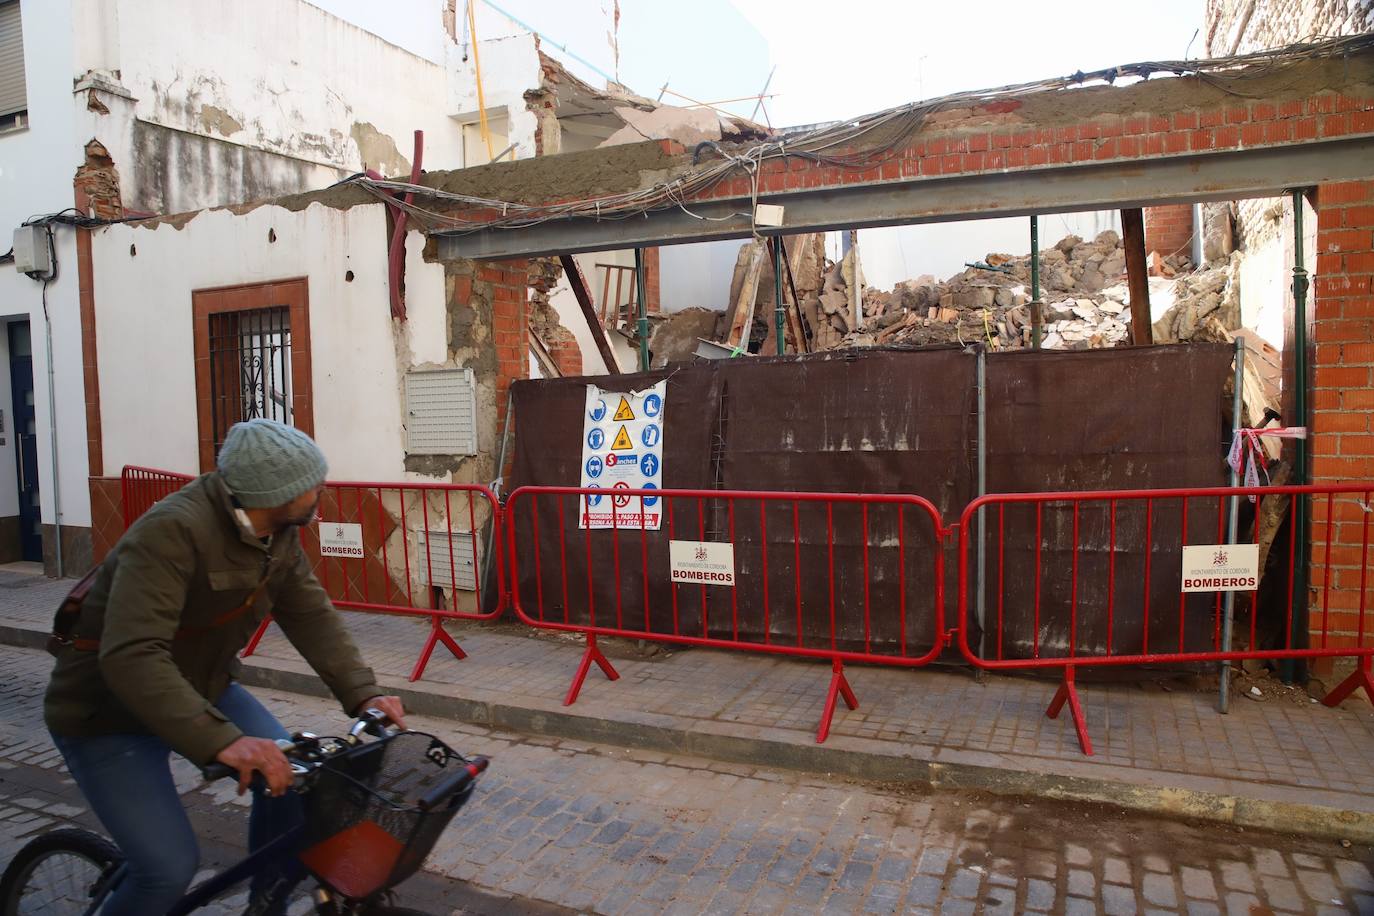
[372, 721]
[453, 785]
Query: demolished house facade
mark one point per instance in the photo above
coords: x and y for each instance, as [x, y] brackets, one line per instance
[141, 110]
[391, 318]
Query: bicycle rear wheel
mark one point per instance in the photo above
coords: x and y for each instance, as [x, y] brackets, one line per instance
[57, 873]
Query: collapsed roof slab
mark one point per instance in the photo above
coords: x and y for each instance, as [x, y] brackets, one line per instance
[1252, 128]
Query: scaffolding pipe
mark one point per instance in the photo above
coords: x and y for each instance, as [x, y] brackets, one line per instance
[1037, 316]
[779, 314]
[1232, 523]
[643, 325]
[982, 491]
[1293, 669]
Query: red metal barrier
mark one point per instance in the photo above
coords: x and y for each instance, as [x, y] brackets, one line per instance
[1064, 596]
[141, 487]
[414, 549]
[844, 577]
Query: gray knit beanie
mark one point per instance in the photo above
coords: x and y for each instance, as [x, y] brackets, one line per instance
[266, 463]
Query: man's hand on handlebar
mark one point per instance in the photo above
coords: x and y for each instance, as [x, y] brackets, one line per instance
[389, 706]
[249, 755]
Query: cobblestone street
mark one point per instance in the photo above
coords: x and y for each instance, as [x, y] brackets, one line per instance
[606, 830]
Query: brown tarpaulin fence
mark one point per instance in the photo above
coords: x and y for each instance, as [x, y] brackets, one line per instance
[885, 421]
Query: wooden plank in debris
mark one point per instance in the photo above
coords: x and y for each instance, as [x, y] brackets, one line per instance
[1137, 275]
[742, 314]
[584, 299]
[547, 364]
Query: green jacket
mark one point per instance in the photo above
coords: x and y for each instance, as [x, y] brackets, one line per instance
[160, 663]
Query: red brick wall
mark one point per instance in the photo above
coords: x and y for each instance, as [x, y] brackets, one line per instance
[566, 353]
[1342, 397]
[509, 282]
[1169, 229]
[652, 293]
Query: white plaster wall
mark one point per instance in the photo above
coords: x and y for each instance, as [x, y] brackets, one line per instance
[696, 276]
[510, 67]
[426, 325]
[36, 169]
[1265, 285]
[150, 417]
[282, 76]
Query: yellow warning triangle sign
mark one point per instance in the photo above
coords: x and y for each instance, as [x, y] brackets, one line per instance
[622, 441]
[623, 413]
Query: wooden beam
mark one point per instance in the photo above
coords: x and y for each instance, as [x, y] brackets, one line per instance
[1137, 275]
[742, 317]
[584, 299]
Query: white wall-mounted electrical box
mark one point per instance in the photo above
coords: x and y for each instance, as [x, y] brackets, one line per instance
[31, 254]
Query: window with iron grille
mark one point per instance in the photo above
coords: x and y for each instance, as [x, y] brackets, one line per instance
[250, 367]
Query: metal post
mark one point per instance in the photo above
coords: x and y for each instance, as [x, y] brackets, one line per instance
[779, 314]
[982, 489]
[1036, 309]
[643, 312]
[498, 487]
[1233, 511]
[1292, 670]
[52, 441]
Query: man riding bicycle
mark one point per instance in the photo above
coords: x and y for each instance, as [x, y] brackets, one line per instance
[149, 667]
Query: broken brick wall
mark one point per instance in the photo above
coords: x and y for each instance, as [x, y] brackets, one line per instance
[1244, 26]
[1169, 229]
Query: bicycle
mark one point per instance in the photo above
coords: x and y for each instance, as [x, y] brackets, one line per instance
[373, 811]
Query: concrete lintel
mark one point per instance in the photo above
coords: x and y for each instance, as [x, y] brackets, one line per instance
[1191, 177]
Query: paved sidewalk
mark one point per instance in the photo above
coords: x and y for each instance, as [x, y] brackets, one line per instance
[614, 831]
[1274, 763]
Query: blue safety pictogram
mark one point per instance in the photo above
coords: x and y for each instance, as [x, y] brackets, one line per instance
[648, 465]
[594, 467]
[651, 435]
[598, 411]
[649, 500]
[653, 405]
[595, 439]
[592, 498]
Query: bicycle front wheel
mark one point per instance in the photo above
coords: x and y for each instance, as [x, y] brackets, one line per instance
[57, 873]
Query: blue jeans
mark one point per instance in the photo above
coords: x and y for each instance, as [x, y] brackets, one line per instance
[127, 779]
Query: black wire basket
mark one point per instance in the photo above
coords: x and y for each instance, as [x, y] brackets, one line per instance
[365, 828]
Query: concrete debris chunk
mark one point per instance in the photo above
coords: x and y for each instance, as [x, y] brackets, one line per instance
[1085, 300]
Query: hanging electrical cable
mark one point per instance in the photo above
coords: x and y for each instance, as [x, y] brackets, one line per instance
[838, 145]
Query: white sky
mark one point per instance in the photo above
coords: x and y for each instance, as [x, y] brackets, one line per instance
[847, 59]
[833, 60]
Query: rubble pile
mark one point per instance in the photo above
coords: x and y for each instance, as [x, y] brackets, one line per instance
[1086, 303]
[1206, 304]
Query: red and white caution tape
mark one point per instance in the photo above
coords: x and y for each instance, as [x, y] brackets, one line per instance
[1247, 455]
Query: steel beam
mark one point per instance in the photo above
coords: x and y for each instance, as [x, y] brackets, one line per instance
[1115, 185]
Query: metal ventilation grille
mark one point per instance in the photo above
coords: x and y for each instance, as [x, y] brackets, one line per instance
[441, 412]
[441, 553]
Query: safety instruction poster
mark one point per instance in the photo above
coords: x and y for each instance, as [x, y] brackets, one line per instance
[622, 449]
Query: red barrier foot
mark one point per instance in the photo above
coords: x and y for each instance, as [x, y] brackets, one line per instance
[593, 654]
[437, 634]
[838, 687]
[1067, 691]
[1360, 677]
[257, 637]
